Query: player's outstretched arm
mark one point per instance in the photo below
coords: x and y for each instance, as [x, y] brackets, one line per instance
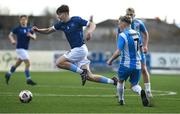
[43, 30]
[11, 38]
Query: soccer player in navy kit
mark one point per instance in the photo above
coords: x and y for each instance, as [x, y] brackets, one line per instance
[23, 35]
[128, 48]
[76, 59]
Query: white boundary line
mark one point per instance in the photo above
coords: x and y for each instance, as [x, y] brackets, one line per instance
[155, 92]
[90, 113]
[78, 95]
[74, 87]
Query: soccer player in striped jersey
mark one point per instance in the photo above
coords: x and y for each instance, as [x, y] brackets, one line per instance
[76, 59]
[128, 48]
[23, 35]
[139, 26]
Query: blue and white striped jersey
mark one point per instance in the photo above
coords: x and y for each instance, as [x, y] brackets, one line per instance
[129, 44]
[137, 25]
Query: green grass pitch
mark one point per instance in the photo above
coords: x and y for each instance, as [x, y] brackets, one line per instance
[61, 92]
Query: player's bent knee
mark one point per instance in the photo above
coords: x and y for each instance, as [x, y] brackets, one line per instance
[59, 65]
[60, 62]
[27, 63]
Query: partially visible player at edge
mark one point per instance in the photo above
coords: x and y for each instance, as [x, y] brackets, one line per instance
[23, 34]
[139, 26]
[128, 48]
[75, 60]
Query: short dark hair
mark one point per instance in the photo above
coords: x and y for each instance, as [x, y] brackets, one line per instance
[21, 16]
[130, 10]
[127, 19]
[62, 9]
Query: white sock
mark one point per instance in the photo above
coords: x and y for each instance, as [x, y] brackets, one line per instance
[137, 89]
[120, 91]
[148, 89]
[28, 78]
[9, 72]
[110, 81]
[147, 86]
[79, 70]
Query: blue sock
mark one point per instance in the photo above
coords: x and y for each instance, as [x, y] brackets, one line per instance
[27, 74]
[103, 79]
[12, 69]
[74, 68]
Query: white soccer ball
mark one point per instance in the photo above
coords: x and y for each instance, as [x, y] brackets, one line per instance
[25, 96]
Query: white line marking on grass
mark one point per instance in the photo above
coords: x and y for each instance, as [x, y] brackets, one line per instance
[160, 93]
[155, 93]
[163, 93]
[73, 87]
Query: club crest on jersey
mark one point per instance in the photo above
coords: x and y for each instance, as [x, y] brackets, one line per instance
[72, 25]
[24, 30]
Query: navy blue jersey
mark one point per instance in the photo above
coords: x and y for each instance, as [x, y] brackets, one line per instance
[22, 38]
[73, 30]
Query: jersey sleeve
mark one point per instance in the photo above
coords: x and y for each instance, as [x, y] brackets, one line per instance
[57, 26]
[142, 27]
[120, 43]
[140, 40]
[81, 22]
[30, 30]
[14, 30]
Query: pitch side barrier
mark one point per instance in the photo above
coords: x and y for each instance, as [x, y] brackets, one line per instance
[165, 63]
[157, 62]
[162, 63]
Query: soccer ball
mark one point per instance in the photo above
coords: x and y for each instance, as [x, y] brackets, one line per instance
[25, 96]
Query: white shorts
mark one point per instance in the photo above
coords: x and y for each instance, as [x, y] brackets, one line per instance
[22, 54]
[78, 55]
